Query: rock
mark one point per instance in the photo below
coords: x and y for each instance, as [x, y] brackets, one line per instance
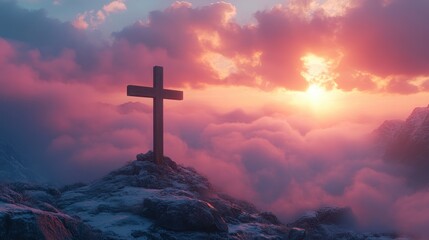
[405, 145]
[146, 173]
[184, 214]
[270, 218]
[167, 201]
[296, 234]
[387, 131]
[143, 200]
[7, 195]
[149, 156]
[23, 217]
[19, 222]
[328, 216]
[342, 216]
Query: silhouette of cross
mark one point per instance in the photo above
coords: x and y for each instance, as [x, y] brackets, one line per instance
[158, 93]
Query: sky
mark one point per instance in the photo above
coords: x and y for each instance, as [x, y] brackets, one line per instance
[280, 97]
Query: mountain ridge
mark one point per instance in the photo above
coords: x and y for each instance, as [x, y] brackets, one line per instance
[144, 200]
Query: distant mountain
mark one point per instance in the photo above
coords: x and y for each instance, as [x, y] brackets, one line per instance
[143, 200]
[386, 132]
[407, 143]
[11, 167]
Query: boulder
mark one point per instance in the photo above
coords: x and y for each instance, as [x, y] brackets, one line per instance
[341, 216]
[184, 214]
[21, 222]
[296, 234]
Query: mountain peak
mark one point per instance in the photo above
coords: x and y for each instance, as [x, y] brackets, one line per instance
[146, 173]
[164, 200]
[11, 167]
[417, 120]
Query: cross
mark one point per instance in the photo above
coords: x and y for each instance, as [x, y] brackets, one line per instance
[158, 93]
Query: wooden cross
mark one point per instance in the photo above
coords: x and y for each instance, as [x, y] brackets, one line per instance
[158, 93]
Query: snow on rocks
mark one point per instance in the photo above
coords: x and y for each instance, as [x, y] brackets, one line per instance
[23, 217]
[184, 214]
[143, 200]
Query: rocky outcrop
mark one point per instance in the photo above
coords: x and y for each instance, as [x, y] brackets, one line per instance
[25, 217]
[184, 214]
[143, 200]
[326, 216]
[386, 132]
[149, 201]
[411, 140]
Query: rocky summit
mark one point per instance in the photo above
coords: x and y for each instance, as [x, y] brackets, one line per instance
[143, 200]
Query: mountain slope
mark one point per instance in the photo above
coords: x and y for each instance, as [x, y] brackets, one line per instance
[408, 146]
[27, 212]
[11, 168]
[143, 200]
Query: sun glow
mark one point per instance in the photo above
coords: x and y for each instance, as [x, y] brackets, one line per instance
[317, 71]
[315, 93]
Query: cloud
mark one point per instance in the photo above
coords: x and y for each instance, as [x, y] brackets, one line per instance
[387, 38]
[63, 103]
[266, 55]
[414, 209]
[47, 36]
[115, 6]
[289, 172]
[269, 53]
[94, 18]
[80, 22]
[401, 85]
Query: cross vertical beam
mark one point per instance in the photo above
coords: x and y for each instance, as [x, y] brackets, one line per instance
[158, 114]
[158, 93]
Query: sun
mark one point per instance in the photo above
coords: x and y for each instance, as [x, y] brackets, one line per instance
[317, 71]
[315, 92]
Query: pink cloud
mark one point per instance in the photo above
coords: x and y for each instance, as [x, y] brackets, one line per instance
[367, 41]
[387, 38]
[115, 6]
[413, 210]
[80, 22]
[401, 85]
[218, 51]
[93, 18]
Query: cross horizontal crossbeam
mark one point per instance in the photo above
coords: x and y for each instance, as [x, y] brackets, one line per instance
[139, 91]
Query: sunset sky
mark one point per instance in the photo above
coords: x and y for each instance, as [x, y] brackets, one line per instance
[280, 97]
